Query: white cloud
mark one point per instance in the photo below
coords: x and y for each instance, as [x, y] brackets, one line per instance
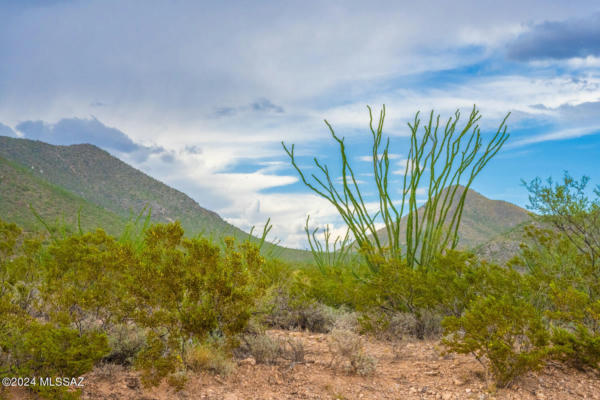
[557, 135]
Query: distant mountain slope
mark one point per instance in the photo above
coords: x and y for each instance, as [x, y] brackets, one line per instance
[504, 247]
[59, 179]
[104, 180]
[19, 188]
[482, 219]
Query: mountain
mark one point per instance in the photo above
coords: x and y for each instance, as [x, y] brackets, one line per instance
[58, 180]
[483, 220]
[20, 188]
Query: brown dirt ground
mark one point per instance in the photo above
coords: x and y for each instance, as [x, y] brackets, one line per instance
[409, 370]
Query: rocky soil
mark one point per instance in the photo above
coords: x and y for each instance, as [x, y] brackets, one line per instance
[406, 370]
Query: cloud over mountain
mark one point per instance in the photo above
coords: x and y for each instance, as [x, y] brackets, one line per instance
[6, 130]
[78, 130]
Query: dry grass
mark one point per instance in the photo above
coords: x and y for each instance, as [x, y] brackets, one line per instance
[204, 357]
[349, 354]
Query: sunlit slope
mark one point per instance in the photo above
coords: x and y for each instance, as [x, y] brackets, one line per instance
[483, 219]
[20, 188]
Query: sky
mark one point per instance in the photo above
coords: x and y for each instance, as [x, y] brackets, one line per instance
[200, 94]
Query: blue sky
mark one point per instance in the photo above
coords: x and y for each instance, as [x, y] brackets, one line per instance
[200, 94]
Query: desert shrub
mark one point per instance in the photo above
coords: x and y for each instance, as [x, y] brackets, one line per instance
[293, 350]
[108, 371]
[399, 300]
[263, 348]
[575, 324]
[288, 312]
[31, 348]
[348, 353]
[316, 317]
[505, 334]
[192, 289]
[563, 266]
[19, 269]
[83, 281]
[578, 347]
[336, 286]
[158, 359]
[125, 341]
[211, 358]
[346, 319]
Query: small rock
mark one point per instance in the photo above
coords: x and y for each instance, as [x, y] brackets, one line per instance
[132, 382]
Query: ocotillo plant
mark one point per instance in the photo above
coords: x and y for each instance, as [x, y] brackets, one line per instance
[445, 154]
[334, 253]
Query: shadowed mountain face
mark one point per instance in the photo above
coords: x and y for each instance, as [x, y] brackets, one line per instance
[482, 220]
[92, 174]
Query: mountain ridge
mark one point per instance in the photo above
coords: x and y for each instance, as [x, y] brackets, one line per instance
[60, 180]
[483, 219]
[57, 180]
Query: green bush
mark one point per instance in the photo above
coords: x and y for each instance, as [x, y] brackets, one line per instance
[30, 348]
[84, 281]
[192, 289]
[506, 334]
[578, 347]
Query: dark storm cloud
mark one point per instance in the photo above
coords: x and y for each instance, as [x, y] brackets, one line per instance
[558, 40]
[77, 130]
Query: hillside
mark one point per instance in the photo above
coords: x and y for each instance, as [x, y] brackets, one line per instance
[19, 188]
[57, 180]
[96, 176]
[483, 220]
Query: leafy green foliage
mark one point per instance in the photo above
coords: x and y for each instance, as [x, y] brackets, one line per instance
[83, 280]
[566, 206]
[191, 289]
[155, 298]
[554, 312]
[507, 332]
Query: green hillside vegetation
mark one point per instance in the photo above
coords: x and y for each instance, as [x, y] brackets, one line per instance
[109, 191]
[104, 180]
[20, 188]
[505, 246]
